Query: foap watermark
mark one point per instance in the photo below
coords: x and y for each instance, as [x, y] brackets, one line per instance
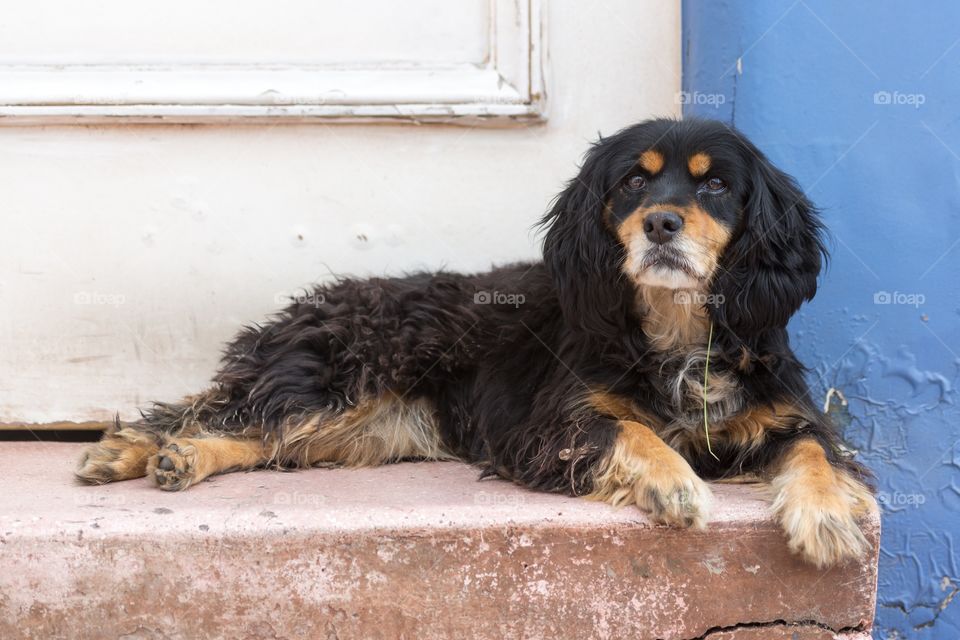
[714, 100]
[699, 298]
[899, 298]
[99, 499]
[499, 297]
[487, 498]
[312, 298]
[299, 499]
[683, 500]
[499, 99]
[99, 298]
[897, 99]
[898, 500]
[278, 99]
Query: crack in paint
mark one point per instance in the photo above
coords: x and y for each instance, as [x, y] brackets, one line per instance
[938, 608]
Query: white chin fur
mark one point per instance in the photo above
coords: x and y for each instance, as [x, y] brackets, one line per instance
[667, 278]
[662, 276]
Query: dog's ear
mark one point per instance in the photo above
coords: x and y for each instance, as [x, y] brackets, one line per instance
[772, 265]
[580, 254]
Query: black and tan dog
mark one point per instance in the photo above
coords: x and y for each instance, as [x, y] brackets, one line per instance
[647, 352]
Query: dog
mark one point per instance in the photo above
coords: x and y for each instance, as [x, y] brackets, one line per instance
[645, 354]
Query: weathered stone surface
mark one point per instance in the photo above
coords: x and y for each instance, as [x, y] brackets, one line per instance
[405, 551]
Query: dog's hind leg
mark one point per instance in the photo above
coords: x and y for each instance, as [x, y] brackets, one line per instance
[121, 454]
[376, 431]
[176, 444]
[182, 462]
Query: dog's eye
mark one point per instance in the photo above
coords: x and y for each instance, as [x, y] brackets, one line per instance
[714, 185]
[636, 183]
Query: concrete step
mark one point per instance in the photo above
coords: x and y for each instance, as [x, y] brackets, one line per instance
[416, 550]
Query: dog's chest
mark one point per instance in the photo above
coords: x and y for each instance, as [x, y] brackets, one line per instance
[682, 402]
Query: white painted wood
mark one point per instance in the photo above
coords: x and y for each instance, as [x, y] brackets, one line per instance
[494, 76]
[201, 94]
[245, 32]
[130, 253]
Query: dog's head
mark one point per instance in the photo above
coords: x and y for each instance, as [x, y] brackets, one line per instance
[685, 205]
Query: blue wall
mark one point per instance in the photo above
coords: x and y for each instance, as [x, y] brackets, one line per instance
[860, 101]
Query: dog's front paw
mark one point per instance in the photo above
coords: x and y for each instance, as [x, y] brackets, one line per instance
[672, 493]
[174, 465]
[644, 471]
[821, 520]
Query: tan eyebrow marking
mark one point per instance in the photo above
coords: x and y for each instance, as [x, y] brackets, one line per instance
[699, 164]
[652, 161]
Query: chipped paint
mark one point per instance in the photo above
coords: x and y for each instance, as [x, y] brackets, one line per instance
[714, 564]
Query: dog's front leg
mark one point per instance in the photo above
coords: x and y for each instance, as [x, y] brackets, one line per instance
[818, 504]
[642, 469]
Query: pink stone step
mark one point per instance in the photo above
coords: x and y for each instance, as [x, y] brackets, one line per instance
[417, 550]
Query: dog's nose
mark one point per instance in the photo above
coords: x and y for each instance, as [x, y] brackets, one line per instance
[661, 226]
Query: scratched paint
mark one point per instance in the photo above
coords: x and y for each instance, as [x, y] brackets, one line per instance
[857, 100]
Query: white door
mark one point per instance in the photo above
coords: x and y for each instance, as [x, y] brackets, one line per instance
[172, 170]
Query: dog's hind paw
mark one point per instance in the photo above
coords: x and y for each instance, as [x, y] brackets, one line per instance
[121, 454]
[174, 465]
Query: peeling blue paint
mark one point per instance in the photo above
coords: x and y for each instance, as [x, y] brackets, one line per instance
[859, 100]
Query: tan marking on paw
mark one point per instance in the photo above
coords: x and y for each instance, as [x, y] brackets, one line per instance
[643, 470]
[121, 454]
[819, 506]
[174, 465]
[182, 462]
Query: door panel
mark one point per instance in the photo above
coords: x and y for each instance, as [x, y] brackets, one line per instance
[130, 252]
